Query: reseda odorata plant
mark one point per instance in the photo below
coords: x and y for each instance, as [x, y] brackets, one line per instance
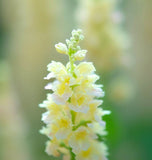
[74, 114]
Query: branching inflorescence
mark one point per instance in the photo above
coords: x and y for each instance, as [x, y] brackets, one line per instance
[74, 115]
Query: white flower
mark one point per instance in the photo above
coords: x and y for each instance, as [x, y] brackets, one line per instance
[61, 48]
[49, 76]
[84, 68]
[52, 148]
[79, 139]
[80, 55]
[96, 151]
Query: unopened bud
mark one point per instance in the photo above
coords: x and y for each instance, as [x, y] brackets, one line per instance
[61, 48]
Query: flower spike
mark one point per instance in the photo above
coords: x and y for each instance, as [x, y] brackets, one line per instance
[74, 114]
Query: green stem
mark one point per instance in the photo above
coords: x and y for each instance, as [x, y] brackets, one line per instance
[73, 114]
[70, 150]
[72, 59]
[71, 63]
[82, 123]
[72, 154]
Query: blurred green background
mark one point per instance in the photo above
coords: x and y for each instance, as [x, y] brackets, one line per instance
[28, 31]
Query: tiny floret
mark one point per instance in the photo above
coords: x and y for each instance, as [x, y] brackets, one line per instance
[80, 55]
[73, 114]
[61, 48]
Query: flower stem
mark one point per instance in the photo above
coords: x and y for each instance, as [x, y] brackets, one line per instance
[82, 123]
[72, 154]
[73, 114]
[70, 150]
[71, 63]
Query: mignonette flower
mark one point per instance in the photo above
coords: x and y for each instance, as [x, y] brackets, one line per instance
[74, 115]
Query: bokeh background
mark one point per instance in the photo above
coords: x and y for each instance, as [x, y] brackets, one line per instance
[119, 42]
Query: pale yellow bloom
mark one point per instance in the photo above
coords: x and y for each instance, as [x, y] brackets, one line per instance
[92, 111]
[73, 117]
[84, 68]
[96, 151]
[61, 127]
[57, 68]
[80, 55]
[52, 148]
[61, 48]
[79, 102]
[79, 139]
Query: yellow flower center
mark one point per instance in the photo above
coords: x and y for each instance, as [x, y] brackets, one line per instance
[54, 128]
[86, 153]
[63, 123]
[81, 100]
[61, 89]
[67, 80]
[81, 135]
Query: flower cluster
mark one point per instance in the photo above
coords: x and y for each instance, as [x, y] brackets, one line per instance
[74, 115]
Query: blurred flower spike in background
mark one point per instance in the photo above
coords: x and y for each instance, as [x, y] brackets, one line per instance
[106, 41]
[74, 114]
[108, 46]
